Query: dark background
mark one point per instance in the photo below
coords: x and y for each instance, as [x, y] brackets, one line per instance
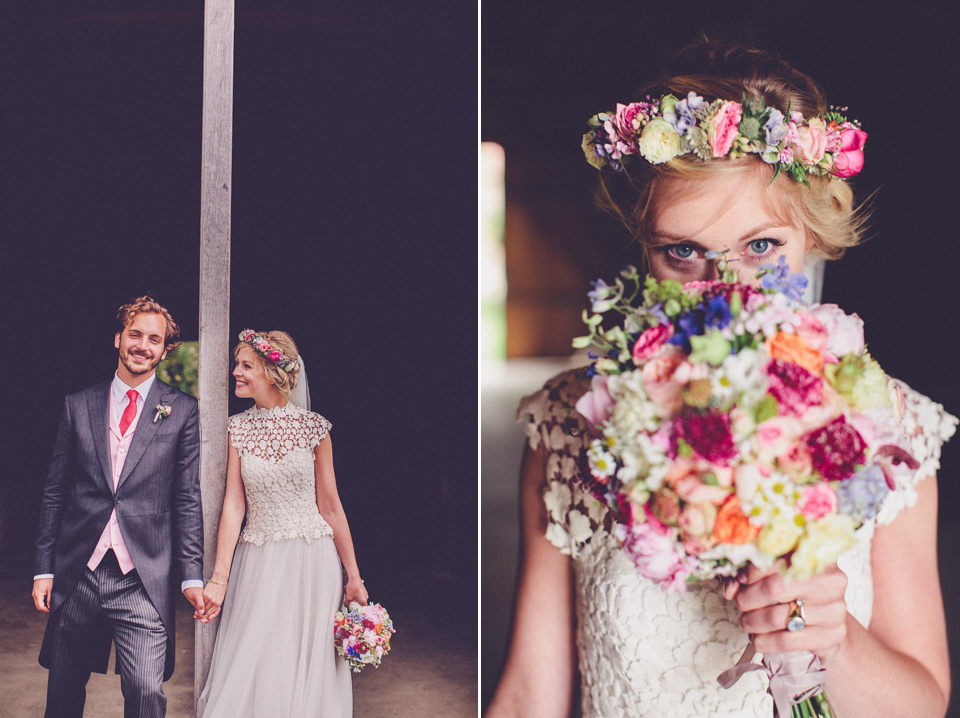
[547, 67]
[354, 223]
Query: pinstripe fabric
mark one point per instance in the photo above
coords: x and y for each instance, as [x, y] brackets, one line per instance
[108, 604]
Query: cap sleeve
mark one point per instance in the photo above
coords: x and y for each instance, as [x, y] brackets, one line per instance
[235, 429]
[552, 424]
[319, 429]
[927, 426]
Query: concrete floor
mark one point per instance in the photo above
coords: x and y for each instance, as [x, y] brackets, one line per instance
[431, 670]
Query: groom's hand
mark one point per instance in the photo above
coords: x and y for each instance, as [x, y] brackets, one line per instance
[194, 594]
[42, 590]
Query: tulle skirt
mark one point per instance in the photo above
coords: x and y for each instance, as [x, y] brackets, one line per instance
[274, 653]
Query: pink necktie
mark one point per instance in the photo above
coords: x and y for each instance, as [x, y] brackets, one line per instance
[129, 412]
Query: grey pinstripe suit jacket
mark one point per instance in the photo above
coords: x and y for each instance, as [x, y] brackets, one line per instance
[157, 501]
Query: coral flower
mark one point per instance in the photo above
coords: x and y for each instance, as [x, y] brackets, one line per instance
[732, 525]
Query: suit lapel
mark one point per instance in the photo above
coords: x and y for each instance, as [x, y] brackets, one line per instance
[99, 410]
[160, 393]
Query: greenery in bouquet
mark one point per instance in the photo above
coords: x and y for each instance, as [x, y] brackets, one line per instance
[361, 635]
[732, 424]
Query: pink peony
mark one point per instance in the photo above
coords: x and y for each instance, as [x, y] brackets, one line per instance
[649, 343]
[836, 449]
[658, 557]
[723, 128]
[849, 160]
[844, 331]
[794, 388]
[818, 501]
[594, 406]
[707, 433]
[774, 436]
[811, 141]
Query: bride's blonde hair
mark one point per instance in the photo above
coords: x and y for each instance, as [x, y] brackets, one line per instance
[284, 380]
[715, 71]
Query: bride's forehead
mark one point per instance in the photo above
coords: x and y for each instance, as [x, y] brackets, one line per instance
[686, 206]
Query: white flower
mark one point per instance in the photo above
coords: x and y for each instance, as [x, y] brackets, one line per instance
[602, 463]
[659, 141]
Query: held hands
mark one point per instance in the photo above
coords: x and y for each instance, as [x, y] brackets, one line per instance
[194, 594]
[355, 591]
[211, 601]
[42, 590]
[764, 598]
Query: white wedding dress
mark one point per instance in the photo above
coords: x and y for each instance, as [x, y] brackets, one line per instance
[274, 654]
[643, 652]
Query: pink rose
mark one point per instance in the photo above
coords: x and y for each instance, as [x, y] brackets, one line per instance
[723, 128]
[274, 356]
[594, 406]
[658, 557]
[796, 461]
[685, 479]
[696, 520]
[625, 121]
[818, 501]
[773, 436]
[812, 331]
[811, 141]
[660, 378]
[650, 341]
[849, 160]
[844, 331]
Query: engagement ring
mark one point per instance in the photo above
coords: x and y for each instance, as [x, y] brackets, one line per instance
[795, 619]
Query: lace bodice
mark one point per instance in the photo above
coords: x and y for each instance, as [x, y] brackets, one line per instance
[277, 465]
[645, 652]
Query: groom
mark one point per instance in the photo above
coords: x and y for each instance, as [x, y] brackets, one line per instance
[121, 524]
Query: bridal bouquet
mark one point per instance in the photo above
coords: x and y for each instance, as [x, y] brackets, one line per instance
[735, 425]
[732, 424]
[361, 634]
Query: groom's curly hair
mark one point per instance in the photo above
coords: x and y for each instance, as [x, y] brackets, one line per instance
[146, 303]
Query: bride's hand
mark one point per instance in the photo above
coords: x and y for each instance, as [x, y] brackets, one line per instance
[355, 591]
[213, 595]
[764, 599]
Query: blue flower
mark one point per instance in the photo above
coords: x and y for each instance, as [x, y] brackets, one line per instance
[689, 324]
[718, 313]
[683, 118]
[779, 278]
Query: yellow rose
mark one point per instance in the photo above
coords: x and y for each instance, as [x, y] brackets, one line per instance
[779, 536]
[825, 539]
[659, 142]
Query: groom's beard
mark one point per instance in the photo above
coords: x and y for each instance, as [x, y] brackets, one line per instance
[142, 367]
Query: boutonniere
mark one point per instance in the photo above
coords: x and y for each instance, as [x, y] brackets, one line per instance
[163, 411]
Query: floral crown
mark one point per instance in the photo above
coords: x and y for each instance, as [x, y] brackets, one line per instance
[269, 352]
[659, 130]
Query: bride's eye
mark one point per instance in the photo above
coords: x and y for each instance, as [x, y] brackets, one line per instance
[683, 251]
[761, 249]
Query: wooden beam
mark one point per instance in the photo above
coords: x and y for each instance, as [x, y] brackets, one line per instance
[215, 193]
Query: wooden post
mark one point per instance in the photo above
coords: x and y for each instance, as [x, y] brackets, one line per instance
[215, 192]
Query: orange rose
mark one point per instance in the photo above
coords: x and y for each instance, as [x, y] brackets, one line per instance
[791, 348]
[731, 525]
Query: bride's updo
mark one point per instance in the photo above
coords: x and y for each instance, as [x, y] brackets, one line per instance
[284, 379]
[718, 71]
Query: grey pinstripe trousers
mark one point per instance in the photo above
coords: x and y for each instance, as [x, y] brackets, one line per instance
[107, 601]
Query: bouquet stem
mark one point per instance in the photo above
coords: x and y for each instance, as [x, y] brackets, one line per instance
[813, 707]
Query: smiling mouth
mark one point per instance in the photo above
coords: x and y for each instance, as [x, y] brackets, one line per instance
[241, 383]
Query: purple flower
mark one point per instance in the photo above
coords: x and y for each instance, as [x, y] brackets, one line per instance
[780, 278]
[863, 493]
[682, 118]
[775, 128]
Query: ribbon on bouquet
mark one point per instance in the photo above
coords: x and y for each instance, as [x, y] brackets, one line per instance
[794, 676]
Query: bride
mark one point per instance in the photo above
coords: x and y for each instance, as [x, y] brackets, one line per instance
[281, 588]
[876, 620]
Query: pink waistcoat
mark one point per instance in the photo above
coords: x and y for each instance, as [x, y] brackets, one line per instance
[111, 536]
